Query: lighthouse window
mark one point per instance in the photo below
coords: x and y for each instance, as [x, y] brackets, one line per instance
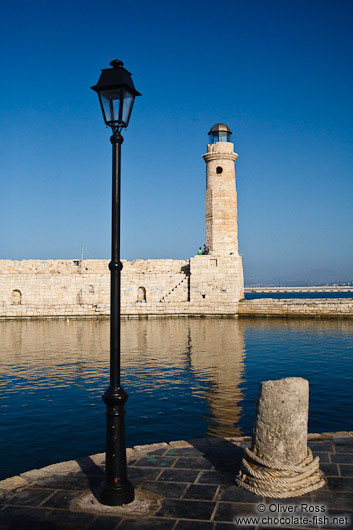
[219, 169]
[221, 136]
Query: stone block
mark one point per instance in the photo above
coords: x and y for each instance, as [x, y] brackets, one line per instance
[62, 468]
[12, 483]
[151, 447]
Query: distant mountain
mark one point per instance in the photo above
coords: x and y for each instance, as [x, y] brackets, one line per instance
[312, 277]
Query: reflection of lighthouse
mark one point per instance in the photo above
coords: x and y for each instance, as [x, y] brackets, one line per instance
[212, 348]
[183, 375]
[217, 351]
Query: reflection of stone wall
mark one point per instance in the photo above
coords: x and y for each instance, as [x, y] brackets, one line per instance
[32, 288]
[153, 352]
[297, 307]
[59, 352]
[212, 348]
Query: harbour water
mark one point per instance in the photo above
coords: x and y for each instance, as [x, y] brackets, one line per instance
[330, 294]
[186, 378]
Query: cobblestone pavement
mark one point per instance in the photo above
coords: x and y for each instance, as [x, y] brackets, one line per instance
[193, 483]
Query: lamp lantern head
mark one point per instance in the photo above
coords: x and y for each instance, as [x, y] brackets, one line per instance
[116, 92]
[220, 133]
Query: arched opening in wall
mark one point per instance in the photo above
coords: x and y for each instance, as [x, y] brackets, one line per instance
[141, 294]
[219, 170]
[79, 297]
[16, 297]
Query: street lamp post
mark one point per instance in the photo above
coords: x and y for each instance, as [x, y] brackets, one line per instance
[116, 94]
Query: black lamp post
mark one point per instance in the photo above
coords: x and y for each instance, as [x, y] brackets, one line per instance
[116, 94]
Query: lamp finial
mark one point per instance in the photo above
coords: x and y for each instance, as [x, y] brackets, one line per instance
[116, 63]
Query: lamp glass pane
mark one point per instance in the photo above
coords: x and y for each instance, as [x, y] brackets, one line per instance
[117, 105]
[127, 104]
[110, 100]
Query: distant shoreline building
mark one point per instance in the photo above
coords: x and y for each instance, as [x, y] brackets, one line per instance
[209, 284]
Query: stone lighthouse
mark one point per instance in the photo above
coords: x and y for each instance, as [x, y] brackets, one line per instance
[221, 195]
[217, 277]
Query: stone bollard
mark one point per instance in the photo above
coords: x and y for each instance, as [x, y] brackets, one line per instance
[281, 420]
[279, 463]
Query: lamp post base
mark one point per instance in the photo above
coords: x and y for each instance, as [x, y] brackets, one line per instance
[113, 495]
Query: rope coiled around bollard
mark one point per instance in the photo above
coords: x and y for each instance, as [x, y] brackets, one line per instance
[271, 479]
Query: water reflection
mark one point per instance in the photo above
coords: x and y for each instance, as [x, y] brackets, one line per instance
[210, 349]
[186, 378]
[217, 351]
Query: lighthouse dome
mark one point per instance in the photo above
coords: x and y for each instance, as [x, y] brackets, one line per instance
[220, 132]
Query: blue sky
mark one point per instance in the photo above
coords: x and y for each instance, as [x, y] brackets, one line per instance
[278, 72]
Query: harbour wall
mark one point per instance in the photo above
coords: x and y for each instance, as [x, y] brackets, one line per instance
[297, 307]
[201, 285]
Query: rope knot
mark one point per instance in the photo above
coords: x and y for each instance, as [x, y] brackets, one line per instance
[273, 479]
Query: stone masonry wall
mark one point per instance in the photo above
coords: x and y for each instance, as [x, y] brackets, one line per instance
[203, 285]
[217, 280]
[299, 307]
[33, 288]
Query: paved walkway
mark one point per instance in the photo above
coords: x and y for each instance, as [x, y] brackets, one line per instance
[190, 485]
